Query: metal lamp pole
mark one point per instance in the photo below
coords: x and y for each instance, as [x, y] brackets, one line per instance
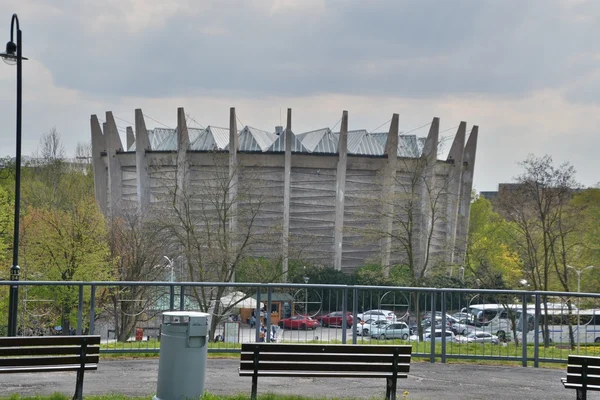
[579, 271]
[14, 53]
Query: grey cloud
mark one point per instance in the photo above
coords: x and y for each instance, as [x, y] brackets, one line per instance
[409, 48]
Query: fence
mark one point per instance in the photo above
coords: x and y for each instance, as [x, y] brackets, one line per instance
[516, 326]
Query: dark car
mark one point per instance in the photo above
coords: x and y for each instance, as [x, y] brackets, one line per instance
[298, 322]
[336, 319]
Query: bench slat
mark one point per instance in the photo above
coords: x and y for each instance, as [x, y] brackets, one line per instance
[49, 368]
[46, 351]
[577, 369]
[578, 379]
[325, 366]
[51, 360]
[47, 340]
[330, 348]
[594, 388]
[578, 360]
[296, 357]
[309, 374]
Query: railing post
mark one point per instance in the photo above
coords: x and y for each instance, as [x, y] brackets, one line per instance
[171, 297]
[93, 310]
[268, 314]
[354, 315]
[524, 327]
[536, 330]
[80, 310]
[181, 298]
[257, 315]
[344, 316]
[443, 300]
[432, 334]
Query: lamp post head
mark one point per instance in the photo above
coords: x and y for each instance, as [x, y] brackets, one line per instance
[10, 56]
[523, 282]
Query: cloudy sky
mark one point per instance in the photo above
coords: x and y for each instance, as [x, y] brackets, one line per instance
[525, 71]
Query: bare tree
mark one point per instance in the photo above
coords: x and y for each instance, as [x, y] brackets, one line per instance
[416, 207]
[213, 221]
[137, 251]
[537, 205]
[51, 147]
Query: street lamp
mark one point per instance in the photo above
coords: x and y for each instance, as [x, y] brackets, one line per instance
[579, 271]
[171, 262]
[14, 55]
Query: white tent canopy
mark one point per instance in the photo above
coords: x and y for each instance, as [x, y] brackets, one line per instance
[238, 300]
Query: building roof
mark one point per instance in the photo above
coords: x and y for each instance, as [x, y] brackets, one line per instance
[320, 141]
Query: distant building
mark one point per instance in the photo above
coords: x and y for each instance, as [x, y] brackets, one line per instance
[321, 177]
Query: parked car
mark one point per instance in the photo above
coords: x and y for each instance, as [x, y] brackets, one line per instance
[464, 326]
[298, 322]
[377, 315]
[366, 327]
[398, 330]
[437, 335]
[478, 337]
[336, 319]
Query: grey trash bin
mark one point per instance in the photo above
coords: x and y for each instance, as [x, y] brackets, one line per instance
[183, 350]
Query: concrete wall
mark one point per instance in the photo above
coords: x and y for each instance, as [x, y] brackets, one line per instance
[319, 185]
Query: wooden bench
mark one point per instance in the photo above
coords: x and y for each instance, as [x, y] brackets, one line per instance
[583, 374]
[325, 361]
[50, 354]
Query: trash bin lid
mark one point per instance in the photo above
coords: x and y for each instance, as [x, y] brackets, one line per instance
[186, 314]
[182, 317]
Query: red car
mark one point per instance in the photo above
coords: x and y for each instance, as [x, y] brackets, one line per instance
[298, 322]
[336, 319]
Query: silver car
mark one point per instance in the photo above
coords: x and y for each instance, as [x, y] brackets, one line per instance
[398, 330]
[365, 329]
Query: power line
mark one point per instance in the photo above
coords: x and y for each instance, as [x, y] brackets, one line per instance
[449, 129]
[380, 125]
[336, 124]
[196, 122]
[157, 121]
[416, 129]
[239, 120]
[124, 120]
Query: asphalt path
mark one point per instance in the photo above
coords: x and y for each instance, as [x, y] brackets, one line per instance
[137, 377]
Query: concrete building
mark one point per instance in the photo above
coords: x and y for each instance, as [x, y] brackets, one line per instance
[344, 197]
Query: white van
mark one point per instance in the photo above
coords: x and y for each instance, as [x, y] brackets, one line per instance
[494, 318]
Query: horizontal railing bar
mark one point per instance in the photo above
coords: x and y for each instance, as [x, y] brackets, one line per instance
[299, 286]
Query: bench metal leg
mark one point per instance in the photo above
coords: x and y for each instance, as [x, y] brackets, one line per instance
[254, 386]
[581, 394]
[79, 385]
[390, 389]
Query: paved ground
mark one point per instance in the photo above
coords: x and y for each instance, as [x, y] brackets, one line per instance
[426, 381]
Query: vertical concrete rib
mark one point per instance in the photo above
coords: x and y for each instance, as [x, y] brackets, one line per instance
[98, 164]
[115, 176]
[183, 144]
[233, 178]
[142, 144]
[454, 184]
[130, 137]
[287, 175]
[388, 191]
[428, 160]
[462, 227]
[340, 192]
